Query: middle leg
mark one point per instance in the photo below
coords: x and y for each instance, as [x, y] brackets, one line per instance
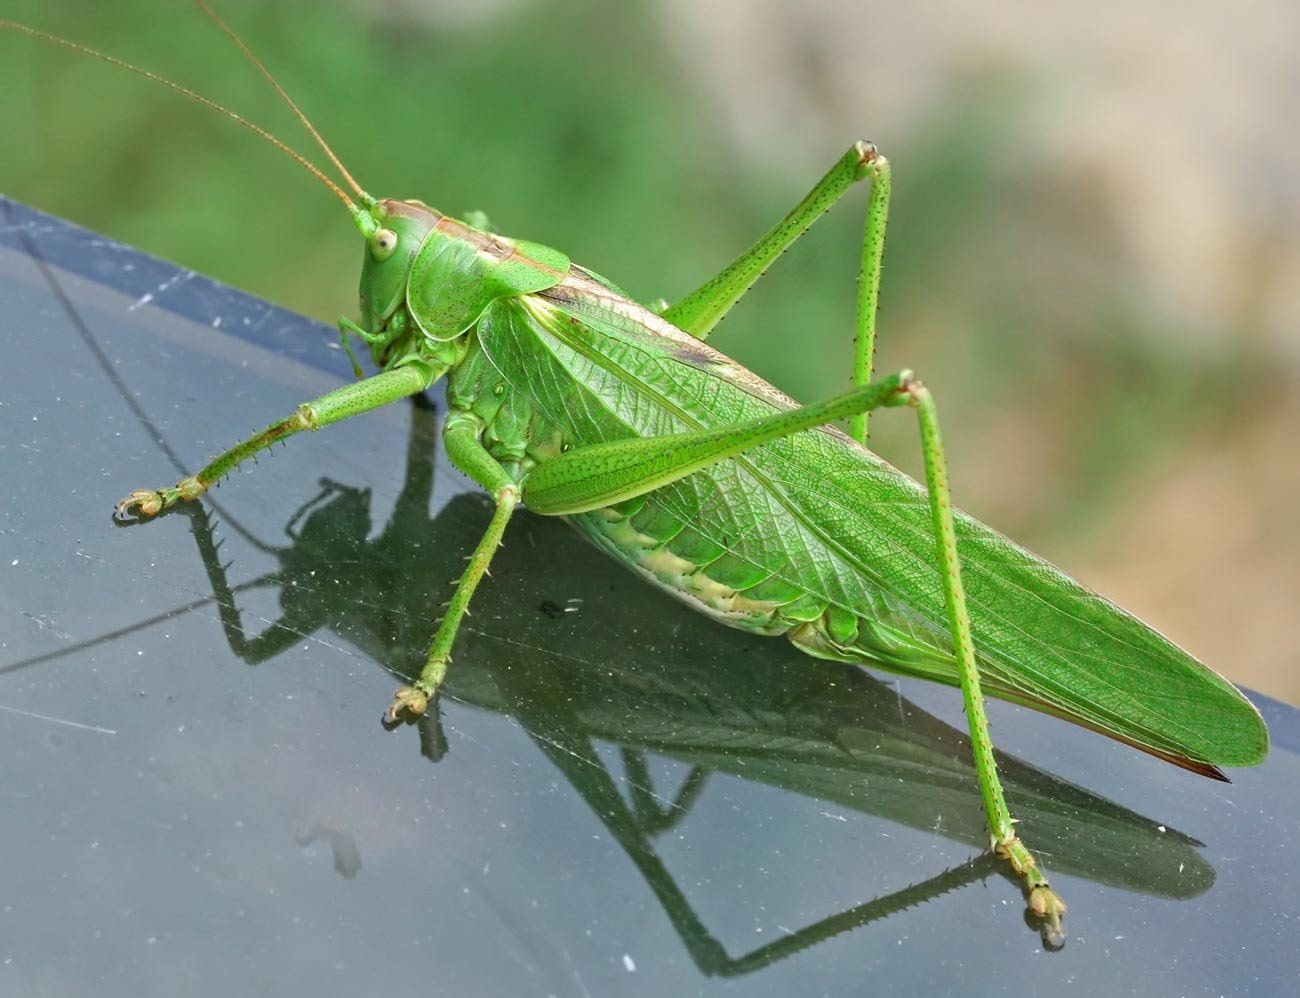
[466, 452]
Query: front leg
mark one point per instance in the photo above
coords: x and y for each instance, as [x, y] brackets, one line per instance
[466, 452]
[351, 400]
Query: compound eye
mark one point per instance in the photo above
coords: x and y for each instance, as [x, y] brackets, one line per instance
[383, 244]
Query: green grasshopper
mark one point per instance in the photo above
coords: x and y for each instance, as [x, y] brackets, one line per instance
[569, 397]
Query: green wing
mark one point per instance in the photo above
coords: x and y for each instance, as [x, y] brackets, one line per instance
[831, 519]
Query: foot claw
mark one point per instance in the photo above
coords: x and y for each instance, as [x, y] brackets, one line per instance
[142, 503]
[408, 704]
[1047, 908]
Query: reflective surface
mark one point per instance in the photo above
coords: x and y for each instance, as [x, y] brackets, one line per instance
[620, 797]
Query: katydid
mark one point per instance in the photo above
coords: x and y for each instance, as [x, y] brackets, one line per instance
[569, 397]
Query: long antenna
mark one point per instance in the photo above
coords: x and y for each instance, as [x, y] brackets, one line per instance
[261, 68]
[185, 91]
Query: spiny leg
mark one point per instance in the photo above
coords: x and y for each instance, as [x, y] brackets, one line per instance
[873, 253]
[351, 400]
[701, 310]
[1046, 906]
[279, 635]
[602, 474]
[466, 452]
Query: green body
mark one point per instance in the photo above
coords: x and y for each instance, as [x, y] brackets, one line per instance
[812, 536]
[569, 396]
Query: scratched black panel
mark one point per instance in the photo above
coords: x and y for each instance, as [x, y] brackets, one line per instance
[618, 798]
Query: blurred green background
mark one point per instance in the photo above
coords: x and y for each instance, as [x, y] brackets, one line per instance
[1093, 256]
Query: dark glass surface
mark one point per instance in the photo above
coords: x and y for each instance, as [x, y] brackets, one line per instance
[622, 798]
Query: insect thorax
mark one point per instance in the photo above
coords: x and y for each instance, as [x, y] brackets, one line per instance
[515, 430]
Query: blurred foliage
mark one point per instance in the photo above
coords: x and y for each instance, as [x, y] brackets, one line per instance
[570, 122]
